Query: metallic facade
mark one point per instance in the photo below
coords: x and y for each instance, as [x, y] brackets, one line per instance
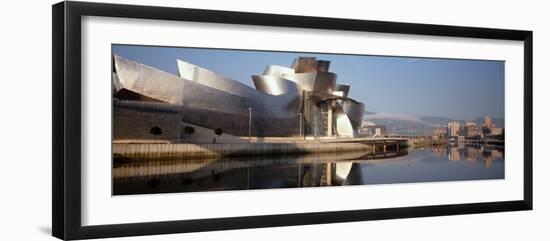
[297, 101]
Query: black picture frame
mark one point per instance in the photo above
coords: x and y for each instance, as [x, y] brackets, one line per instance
[66, 127]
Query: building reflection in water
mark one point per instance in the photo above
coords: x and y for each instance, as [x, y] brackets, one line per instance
[490, 155]
[314, 170]
[440, 151]
[474, 153]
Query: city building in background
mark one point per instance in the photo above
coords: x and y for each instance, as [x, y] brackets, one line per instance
[470, 129]
[439, 133]
[497, 131]
[453, 129]
[470, 132]
[490, 129]
[487, 122]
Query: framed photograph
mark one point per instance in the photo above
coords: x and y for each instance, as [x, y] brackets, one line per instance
[169, 120]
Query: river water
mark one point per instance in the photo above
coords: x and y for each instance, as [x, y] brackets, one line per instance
[433, 164]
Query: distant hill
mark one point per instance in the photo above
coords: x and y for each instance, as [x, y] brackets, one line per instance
[369, 112]
[438, 121]
[403, 124]
[442, 121]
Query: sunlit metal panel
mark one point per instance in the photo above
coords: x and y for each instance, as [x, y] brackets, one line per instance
[273, 85]
[278, 71]
[344, 127]
[343, 88]
[355, 112]
[149, 81]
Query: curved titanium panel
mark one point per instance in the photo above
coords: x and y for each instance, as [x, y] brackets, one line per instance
[208, 99]
[153, 83]
[304, 81]
[278, 71]
[213, 80]
[355, 112]
[314, 81]
[343, 88]
[273, 85]
[305, 64]
[116, 86]
[283, 105]
[163, 86]
[138, 78]
[325, 82]
[344, 127]
[323, 65]
[236, 98]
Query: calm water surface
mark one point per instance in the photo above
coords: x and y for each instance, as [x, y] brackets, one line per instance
[432, 164]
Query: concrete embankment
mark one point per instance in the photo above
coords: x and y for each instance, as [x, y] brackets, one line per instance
[426, 143]
[151, 150]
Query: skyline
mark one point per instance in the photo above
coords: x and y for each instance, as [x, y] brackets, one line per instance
[456, 89]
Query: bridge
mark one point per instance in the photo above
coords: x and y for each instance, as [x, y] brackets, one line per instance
[382, 143]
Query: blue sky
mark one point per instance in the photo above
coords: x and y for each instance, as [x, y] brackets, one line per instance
[459, 89]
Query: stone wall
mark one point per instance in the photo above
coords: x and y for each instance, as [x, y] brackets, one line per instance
[148, 150]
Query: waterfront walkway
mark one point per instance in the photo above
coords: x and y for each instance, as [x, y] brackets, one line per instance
[267, 146]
